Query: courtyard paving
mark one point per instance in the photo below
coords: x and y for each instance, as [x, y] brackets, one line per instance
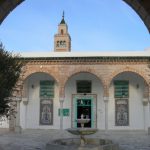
[37, 139]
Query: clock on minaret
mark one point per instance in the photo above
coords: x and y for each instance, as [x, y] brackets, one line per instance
[62, 40]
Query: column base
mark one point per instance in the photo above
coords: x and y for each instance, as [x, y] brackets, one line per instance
[148, 130]
[11, 129]
[18, 129]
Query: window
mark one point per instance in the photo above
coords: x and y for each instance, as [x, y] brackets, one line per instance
[57, 45]
[62, 31]
[121, 94]
[64, 43]
[121, 89]
[84, 86]
[47, 89]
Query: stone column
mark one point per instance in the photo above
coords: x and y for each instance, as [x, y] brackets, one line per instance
[149, 117]
[12, 116]
[145, 106]
[25, 102]
[61, 100]
[146, 112]
[106, 99]
[12, 123]
[148, 100]
[18, 128]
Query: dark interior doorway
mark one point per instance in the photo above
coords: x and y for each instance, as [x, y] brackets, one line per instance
[84, 107]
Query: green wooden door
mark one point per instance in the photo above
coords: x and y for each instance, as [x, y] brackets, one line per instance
[83, 106]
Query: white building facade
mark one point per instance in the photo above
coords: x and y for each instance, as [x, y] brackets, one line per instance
[111, 89]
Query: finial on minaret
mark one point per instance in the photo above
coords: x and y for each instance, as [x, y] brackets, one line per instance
[63, 14]
[63, 20]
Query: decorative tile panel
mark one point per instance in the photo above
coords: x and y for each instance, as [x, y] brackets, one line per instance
[122, 112]
[46, 112]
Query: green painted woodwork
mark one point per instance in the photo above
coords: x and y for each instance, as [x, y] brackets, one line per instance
[121, 89]
[84, 102]
[75, 111]
[47, 89]
[80, 103]
[65, 112]
[84, 86]
[92, 113]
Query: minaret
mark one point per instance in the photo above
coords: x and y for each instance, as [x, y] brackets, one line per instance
[62, 40]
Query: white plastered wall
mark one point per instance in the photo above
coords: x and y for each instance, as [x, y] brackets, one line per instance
[97, 89]
[136, 108]
[30, 113]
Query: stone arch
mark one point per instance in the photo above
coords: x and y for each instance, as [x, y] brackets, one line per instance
[141, 7]
[31, 72]
[128, 69]
[84, 70]
[141, 10]
[77, 71]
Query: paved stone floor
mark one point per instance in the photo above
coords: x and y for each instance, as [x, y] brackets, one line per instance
[37, 139]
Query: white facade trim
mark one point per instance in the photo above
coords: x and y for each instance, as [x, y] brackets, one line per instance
[86, 54]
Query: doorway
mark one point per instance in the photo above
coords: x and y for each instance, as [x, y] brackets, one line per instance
[84, 107]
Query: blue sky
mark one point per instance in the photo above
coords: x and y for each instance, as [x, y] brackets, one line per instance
[94, 25]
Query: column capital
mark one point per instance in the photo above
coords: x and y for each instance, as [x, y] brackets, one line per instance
[61, 92]
[106, 99]
[145, 101]
[61, 99]
[25, 101]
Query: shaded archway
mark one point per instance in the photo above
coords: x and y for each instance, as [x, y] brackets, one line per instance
[84, 94]
[83, 70]
[34, 70]
[128, 69]
[26, 81]
[39, 98]
[128, 91]
[141, 7]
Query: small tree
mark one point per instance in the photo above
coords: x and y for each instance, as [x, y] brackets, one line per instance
[10, 70]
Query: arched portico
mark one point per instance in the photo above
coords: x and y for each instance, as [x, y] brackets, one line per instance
[128, 69]
[41, 95]
[30, 73]
[128, 98]
[84, 90]
[34, 70]
[33, 86]
[79, 70]
[84, 70]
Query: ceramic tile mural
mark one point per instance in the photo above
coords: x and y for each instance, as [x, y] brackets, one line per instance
[122, 117]
[46, 112]
[46, 102]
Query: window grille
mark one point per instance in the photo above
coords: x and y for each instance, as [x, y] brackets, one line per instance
[121, 89]
[47, 89]
[84, 86]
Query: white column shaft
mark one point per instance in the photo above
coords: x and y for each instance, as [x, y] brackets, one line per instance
[61, 113]
[17, 126]
[106, 99]
[18, 114]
